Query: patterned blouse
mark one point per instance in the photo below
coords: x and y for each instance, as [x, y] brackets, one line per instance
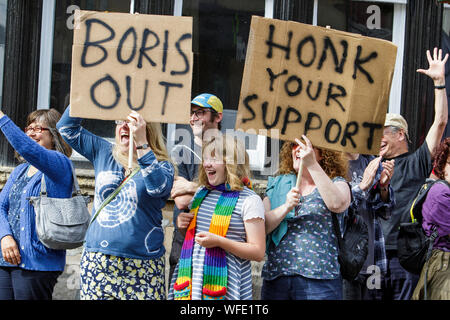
[309, 248]
[14, 204]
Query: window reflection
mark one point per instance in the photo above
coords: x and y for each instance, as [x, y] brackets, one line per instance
[220, 30]
[368, 18]
[62, 54]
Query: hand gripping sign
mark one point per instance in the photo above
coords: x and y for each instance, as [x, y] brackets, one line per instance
[123, 62]
[330, 85]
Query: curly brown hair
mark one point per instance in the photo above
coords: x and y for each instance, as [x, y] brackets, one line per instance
[440, 160]
[334, 163]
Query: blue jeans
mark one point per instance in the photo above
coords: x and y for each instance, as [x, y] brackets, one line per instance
[397, 284]
[21, 284]
[301, 288]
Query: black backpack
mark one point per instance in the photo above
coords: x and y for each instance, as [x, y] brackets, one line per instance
[413, 246]
[353, 247]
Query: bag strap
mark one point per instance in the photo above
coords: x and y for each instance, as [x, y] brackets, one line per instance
[336, 228]
[422, 195]
[431, 239]
[75, 187]
[113, 194]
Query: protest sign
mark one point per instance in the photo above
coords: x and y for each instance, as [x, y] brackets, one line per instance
[330, 85]
[123, 62]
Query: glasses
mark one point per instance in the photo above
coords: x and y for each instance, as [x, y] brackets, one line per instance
[121, 122]
[35, 129]
[199, 113]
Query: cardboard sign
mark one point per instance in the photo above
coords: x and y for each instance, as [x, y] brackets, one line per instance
[123, 62]
[330, 85]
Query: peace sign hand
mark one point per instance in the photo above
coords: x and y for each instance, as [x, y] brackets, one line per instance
[306, 152]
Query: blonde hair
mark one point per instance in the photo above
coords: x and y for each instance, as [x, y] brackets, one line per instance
[232, 152]
[334, 163]
[155, 141]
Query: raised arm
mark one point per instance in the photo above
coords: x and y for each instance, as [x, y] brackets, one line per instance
[436, 71]
[81, 140]
[50, 162]
[336, 195]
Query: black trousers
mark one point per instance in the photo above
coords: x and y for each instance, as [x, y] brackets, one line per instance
[21, 284]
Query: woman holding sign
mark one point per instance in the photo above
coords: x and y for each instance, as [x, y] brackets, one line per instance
[302, 248]
[123, 256]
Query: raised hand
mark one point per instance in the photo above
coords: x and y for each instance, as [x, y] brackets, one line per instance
[436, 68]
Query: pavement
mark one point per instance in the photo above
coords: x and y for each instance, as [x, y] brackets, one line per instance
[68, 285]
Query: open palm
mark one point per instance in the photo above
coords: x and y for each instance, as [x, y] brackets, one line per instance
[436, 69]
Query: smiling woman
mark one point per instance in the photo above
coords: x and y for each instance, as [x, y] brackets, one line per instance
[225, 228]
[28, 269]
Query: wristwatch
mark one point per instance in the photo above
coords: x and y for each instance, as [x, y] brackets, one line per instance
[144, 146]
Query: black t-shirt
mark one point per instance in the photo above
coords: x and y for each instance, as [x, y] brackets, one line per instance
[411, 170]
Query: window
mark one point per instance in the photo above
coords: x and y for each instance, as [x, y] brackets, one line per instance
[3, 7]
[384, 19]
[62, 55]
[220, 37]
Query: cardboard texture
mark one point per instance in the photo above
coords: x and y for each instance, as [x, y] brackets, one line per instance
[331, 85]
[123, 62]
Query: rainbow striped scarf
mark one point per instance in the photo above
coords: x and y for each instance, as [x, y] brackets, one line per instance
[215, 274]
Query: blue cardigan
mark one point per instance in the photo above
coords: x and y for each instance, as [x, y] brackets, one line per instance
[56, 169]
[130, 225]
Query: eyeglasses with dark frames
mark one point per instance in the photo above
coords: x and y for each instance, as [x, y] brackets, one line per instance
[199, 113]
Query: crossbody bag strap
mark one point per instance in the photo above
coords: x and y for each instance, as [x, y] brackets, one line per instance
[113, 194]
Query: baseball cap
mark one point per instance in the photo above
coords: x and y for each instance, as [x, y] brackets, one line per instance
[396, 120]
[207, 100]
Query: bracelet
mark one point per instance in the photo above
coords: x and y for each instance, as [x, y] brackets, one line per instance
[440, 87]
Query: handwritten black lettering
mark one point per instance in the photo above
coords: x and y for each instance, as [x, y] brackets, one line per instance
[246, 101]
[300, 47]
[131, 31]
[286, 121]
[335, 96]
[330, 124]
[168, 85]
[110, 79]
[328, 44]
[264, 115]
[372, 127]
[165, 50]
[359, 61]
[128, 82]
[298, 88]
[143, 50]
[271, 44]
[88, 43]
[308, 91]
[309, 122]
[350, 130]
[274, 76]
[184, 37]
